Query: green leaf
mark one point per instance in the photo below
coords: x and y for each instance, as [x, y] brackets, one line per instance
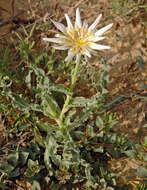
[142, 186]
[15, 173]
[47, 161]
[115, 101]
[142, 171]
[3, 186]
[80, 102]
[145, 157]
[36, 185]
[51, 151]
[60, 88]
[32, 164]
[90, 131]
[28, 79]
[36, 107]
[50, 107]
[71, 156]
[77, 135]
[38, 137]
[33, 168]
[89, 177]
[145, 141]
[46, 127]
[19, 102]
[99, 149]
[23, 156]
[54, 186]
[6, 168]
[145, 125]
[99, 122]
[140, 62]
[13, 159]
[143, 85]
[83, 116]
[69, 117]
[5, 82]
[43, 82]
[38, 71]
[144, 98]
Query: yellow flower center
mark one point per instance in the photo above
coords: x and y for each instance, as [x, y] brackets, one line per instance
[77, 39]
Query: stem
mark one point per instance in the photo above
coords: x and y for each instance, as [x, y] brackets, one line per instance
[68, 97]
[74, 77]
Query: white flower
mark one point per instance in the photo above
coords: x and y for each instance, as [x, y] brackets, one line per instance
[79, 39]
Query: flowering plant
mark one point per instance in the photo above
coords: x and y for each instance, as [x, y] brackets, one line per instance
[66, 140]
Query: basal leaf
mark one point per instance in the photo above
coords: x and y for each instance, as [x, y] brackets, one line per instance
[23, 156]
[6, 168]
[51, 151]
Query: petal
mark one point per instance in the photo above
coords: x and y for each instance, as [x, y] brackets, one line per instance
[94, 52]
[95, 38]
[87, 53]
[69, 23]
[60, 36]
[78, 21]
[55, 40]
[91, 51]
[98, 46]
[59, 26]
[95, 23]
[70, 56]
[104, 29]
[78, 56]
[85, 25]
[60, 47]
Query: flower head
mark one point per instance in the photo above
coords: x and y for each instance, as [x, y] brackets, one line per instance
[79, 39]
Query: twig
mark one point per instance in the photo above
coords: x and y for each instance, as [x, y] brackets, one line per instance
[123, 98]
[4, 9]
[11, 20]
[12, 5]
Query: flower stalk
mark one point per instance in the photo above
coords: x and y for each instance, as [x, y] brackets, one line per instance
[64, 109]
[69, 97]
[75, 74]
